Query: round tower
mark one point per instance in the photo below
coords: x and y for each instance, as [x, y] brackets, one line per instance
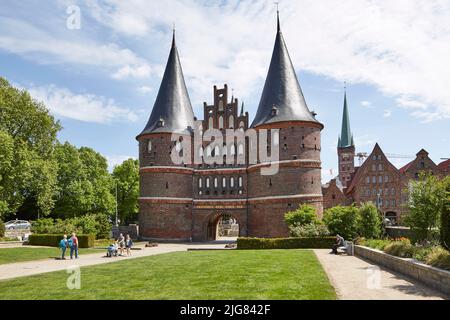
[165, 203]
[298, 179]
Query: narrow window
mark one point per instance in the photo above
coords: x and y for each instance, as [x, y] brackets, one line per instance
[224, 182]
[216, 183]
[232, 182]
[240, 182]
[231, 122]
[207, 182]
[211, 123]
[200, 182]
[149, 146]
[220, 122]
[276, 138]
[240, 149]
[380, 167]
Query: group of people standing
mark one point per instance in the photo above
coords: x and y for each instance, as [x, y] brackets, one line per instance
[71, 243]
[118, 248]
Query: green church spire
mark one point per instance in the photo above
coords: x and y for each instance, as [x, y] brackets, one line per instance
[346, 137]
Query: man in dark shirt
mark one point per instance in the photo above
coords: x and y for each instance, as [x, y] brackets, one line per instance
[340, 242]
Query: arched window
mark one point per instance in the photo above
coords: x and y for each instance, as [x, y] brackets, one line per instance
[207, 182]
[211, 123]
[149, 146]
[216, 183]
[233, 150]
[224, 182]
[276, 138]
[220, 122]
[200, 183]
[240, 182]
[241, 149]
[232, 182]
[231, 122]
[241, 125]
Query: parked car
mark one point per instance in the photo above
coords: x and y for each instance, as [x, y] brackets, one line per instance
[17, 225]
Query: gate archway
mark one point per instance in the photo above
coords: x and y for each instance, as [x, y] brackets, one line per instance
[222, 226]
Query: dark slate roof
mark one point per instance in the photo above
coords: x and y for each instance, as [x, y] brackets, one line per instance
[346, 137]
[172, 111]
[282, 98]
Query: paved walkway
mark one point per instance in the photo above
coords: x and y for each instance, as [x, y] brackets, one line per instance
[22, 269]
[356, 279]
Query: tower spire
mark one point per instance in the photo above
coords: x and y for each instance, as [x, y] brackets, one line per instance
[242, 109]
[346, 137]
[173, 36]
[278, 17]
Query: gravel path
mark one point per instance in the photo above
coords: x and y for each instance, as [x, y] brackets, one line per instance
[356, 279]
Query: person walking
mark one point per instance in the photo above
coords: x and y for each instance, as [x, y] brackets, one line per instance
[128, 244]
[74, 247]
[121, 243]
[63, 244]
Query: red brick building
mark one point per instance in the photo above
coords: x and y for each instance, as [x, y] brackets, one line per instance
[377, 179]
[187, 201]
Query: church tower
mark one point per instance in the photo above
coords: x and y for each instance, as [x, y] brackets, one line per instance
[165, 202]
[346, 148]
[298, 180]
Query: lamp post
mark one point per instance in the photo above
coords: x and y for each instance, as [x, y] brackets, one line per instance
[117, 216]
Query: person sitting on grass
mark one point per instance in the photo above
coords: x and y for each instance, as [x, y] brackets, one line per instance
[340, 242]
[63, 244]
[128, 244]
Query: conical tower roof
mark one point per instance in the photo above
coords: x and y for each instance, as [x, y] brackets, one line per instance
[282, 98]
[172, 111]
[346, 137]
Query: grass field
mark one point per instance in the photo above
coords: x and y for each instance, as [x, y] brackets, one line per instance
[261, 274]
[11, 255]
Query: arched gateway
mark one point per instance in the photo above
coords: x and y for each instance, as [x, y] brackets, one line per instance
[222, 226]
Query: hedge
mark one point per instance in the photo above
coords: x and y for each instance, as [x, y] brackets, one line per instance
[286, 243]
[52, 240]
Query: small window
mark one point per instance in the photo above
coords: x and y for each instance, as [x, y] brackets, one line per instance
[374, 167]
[224, 182]
[379, 157]
[221, 106]
[380, 167]
[200, 183]
[216, 183]
[386, 178]
[240, 182]
[374, 179]
[231, 122]
[232, 182]
[380, 179]
[207, 182]
[393, 191]
[220, 122]
[367, 179]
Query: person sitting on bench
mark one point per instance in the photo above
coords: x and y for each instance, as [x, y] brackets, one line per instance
[340, 242]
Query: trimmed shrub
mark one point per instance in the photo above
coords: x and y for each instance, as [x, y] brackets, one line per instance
[343, 221]
[2, 229]
[370, 221]
[305, 214]
[379, 244]
[312, 230]
[52, 240]
[285, 243]
[439, 258]
[445, 218]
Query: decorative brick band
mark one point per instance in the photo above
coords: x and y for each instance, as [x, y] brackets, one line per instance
[166, 200]
[287, 124]
[302, 163]
[167, 169]
[274, 199]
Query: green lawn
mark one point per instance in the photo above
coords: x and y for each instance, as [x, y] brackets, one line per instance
[259, 274]
[11, 255]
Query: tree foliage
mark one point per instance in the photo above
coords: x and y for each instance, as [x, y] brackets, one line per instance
[343, 221]
[305, 214]
[370, 221]
[445, 216]
[427, 198]
[126, 175]
[27, 142]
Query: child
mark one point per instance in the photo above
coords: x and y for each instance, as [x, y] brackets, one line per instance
[63, 244]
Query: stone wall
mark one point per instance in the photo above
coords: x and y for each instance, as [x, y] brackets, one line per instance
[433, 277]
[132, 230]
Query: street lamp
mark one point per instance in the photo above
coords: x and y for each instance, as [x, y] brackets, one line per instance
[117, 216]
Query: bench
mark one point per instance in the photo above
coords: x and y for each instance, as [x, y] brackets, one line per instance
[347, 248]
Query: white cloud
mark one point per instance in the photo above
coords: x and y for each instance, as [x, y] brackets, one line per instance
[145, 89]
[387, 113]
[366, 104]
[115, 160]
[365, 140]
[83, 107]
[45, 46]
[401, 46]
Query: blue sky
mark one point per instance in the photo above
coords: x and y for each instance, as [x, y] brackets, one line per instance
[101, 80]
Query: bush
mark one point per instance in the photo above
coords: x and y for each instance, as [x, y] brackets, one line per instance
[312, 230]
[403, 249]
[439, 258]
[52, 240]
[445, 217]
[305, 214]
[285, 243]
[343, 221]
[96, 224]
[370, 221]
[379, 244]
[2, 229]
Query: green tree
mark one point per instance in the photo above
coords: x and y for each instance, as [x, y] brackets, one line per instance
[28, 138]
[445, 216]
[370, 221]
[126, 175]
[84, 182]
[305, 214]
[426, 202]
[343, 221]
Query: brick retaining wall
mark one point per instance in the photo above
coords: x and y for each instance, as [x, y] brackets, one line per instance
[433, 277]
